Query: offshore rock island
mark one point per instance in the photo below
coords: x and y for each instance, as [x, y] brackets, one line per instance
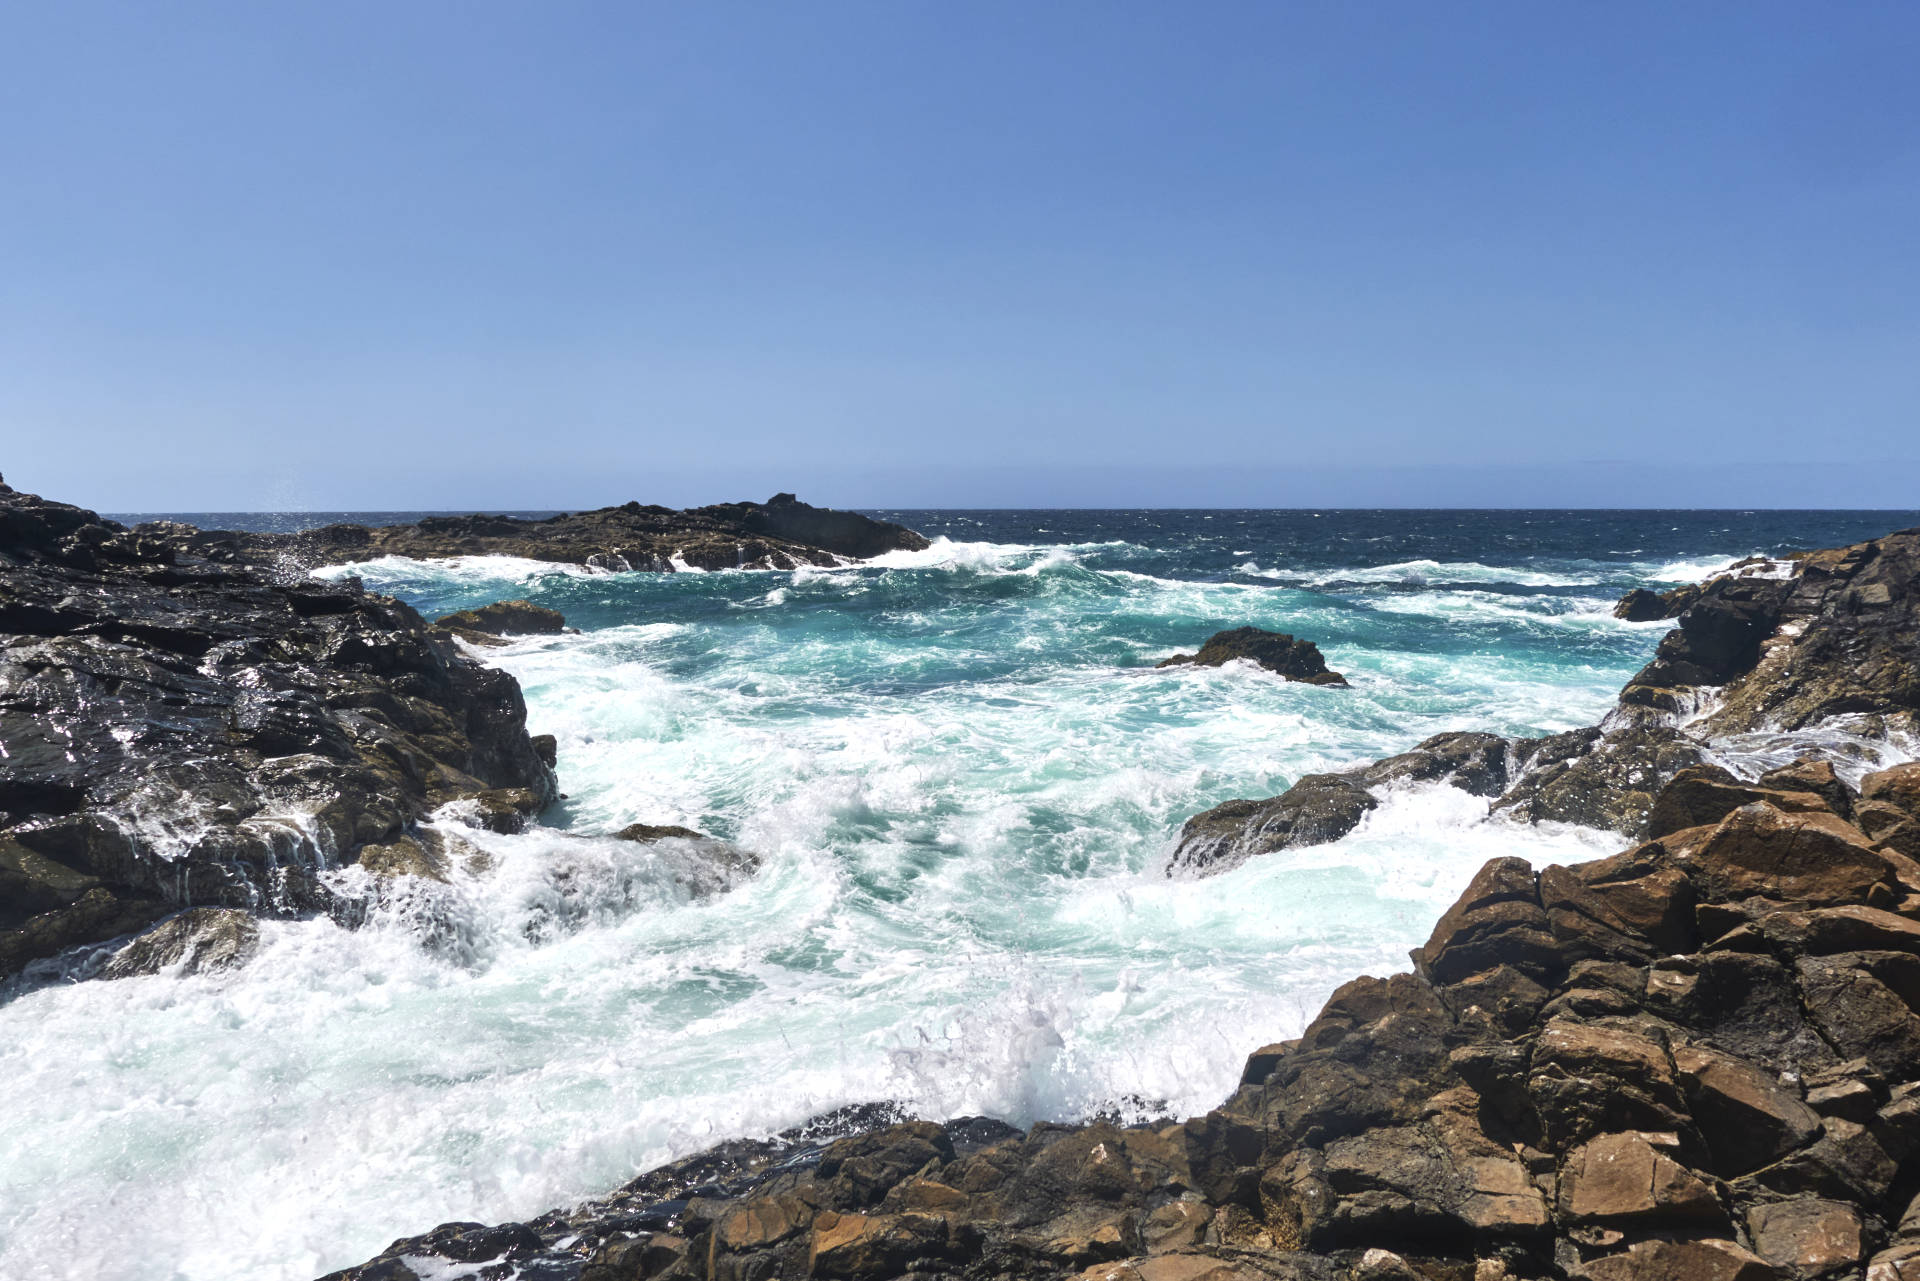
[1696, 1058]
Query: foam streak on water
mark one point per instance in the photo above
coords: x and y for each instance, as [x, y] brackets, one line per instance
[963, 778]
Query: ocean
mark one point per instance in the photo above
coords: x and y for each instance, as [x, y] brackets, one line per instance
[963, 777]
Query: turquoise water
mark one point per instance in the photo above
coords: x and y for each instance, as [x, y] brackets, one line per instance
[963, 777]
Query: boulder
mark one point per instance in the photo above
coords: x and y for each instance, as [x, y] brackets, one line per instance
[1808, 858]
[1317, 809]
[1498, 920]
[1643, 606]
[1703, 794]
[1812, 1235]
[1474, 763]
[1706, 1260]
[1746, 1118]
[1624, 1179]
[1297, 660]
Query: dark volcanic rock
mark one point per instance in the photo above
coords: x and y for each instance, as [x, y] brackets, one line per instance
[1475, 763]
[1317, 809]
[1297, 660]
[779, 534]
[182, 733]
[1600, 779]
[1643, 606]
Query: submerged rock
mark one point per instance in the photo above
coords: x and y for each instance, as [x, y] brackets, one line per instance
[196, 941]
[1317, 809]
[180, 733]
[1297, 660]
[712, 864]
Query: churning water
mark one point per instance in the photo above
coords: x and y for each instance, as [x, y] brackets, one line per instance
[963, 777]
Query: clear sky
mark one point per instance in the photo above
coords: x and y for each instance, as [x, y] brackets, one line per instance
[442, 255]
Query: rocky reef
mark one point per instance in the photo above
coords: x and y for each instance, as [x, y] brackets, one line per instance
[179, 733]
[1826, 638]
[1297, 660]
[781, 533]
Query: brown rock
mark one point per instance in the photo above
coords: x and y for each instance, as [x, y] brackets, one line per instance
[1633, 906]
[403, 857]
[1815, 859]
[1317, 809]
[1587, 1080]
[1702, 794]
[1746, 1117]
[1898, 787]
[508, 618]
[1681, 1261]
[1621, 1177]
[1812, 774]
[1497, 920]
[196, 941]
[1812, 1234]
[1863, 1003]
[873, 1246]
[1297, 660]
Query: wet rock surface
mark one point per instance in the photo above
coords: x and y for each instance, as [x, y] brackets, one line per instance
[1697, 1058]
[1831, 637]
[781, 533]
[1297, 660]
[180, 733]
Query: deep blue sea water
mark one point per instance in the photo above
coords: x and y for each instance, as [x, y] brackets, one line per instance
[963, 776]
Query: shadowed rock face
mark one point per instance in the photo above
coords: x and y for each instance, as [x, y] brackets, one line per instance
[779, 534]
[1297, 660]
[1698, 1058]
[183, 733]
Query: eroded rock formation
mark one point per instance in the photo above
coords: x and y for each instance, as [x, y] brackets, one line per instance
[179, 733]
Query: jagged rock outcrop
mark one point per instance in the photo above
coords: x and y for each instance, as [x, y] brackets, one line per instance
[781, 533]
[179, 733]
[1767, 645]
[1297, 660]
[1699, 1058]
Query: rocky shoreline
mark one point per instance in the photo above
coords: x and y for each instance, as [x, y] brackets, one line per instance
[1698, 1058]
[190, 720]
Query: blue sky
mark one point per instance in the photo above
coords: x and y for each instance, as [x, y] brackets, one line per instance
[357, 255]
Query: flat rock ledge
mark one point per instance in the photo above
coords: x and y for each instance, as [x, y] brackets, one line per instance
[1278, 652]
[1699, 1058]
